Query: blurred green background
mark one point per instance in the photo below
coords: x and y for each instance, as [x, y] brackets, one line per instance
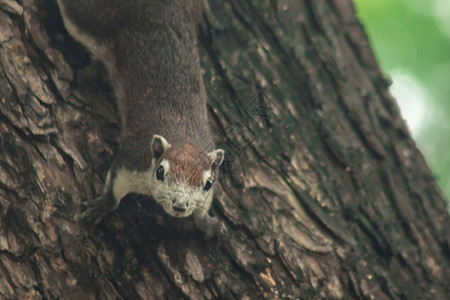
[411, 39]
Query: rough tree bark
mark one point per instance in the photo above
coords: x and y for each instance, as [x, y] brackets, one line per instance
[324, 194]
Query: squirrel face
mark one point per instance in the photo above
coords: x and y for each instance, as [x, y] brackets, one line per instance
[182, 176]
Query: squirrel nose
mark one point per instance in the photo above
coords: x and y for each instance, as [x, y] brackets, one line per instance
[180, 206]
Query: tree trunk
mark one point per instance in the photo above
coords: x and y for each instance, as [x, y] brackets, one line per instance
[324, 194]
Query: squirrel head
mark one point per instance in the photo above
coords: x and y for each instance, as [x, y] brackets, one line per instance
[183, 176]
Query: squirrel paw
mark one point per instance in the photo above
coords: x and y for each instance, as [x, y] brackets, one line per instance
[94, 211]
[210, 226]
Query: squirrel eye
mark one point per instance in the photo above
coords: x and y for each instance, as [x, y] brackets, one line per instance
[160, 173]
[208, 184]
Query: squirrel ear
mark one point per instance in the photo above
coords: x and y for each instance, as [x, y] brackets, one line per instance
[159, 145]
[216, 157]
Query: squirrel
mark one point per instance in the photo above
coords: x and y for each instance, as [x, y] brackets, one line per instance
[166, 149]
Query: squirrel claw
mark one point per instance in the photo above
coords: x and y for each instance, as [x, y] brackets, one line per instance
[94, 211]
[210, 226]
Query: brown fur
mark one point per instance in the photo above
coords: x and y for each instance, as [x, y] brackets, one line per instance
[187, 163]
[150, 50]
